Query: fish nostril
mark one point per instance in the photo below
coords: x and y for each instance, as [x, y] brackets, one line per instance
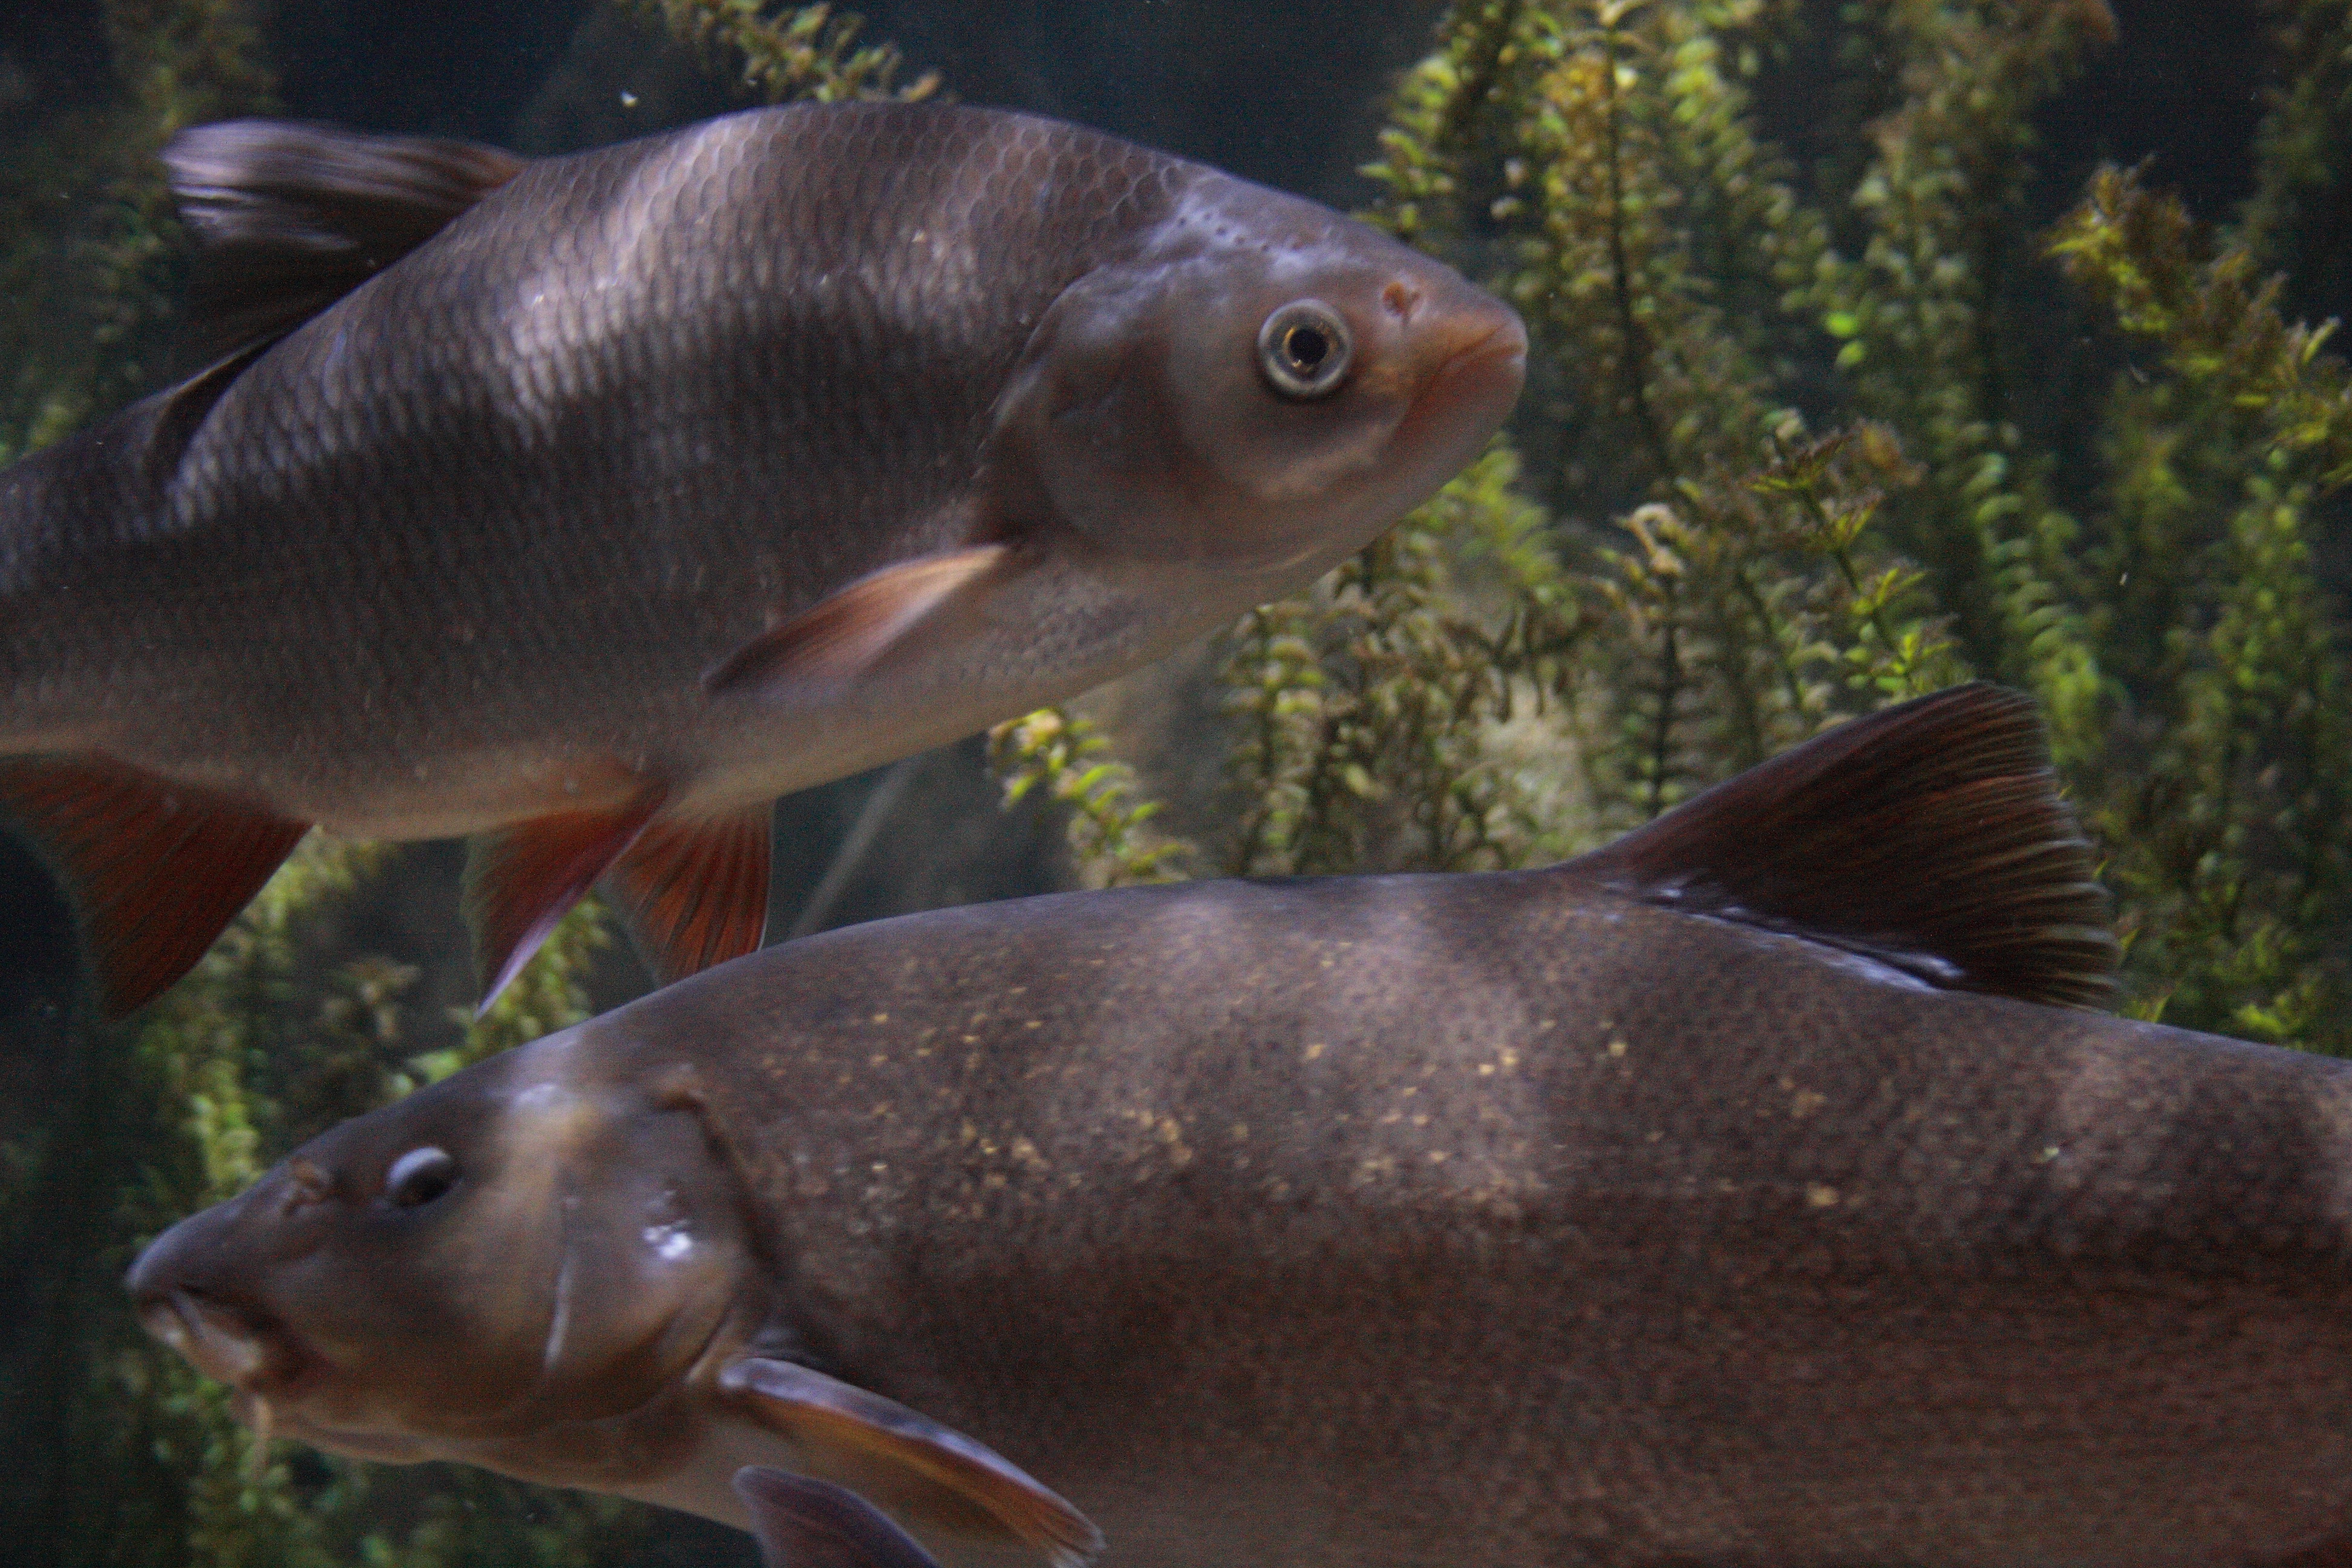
[1402, 298]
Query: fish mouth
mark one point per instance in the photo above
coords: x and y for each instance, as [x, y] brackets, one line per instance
[227, 1343]
[1488, 362]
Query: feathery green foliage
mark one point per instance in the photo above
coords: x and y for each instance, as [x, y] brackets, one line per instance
[797, 52]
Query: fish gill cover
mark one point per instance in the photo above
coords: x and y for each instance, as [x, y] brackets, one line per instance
[1824, 412]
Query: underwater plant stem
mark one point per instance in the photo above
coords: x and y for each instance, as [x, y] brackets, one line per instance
[1670, 682]
[1637, 352]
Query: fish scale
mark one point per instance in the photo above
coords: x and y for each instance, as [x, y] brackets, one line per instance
[655, 480]
[1710, 1201]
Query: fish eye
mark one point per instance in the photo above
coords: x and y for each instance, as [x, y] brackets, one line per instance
[419, 1176]
[1304, 350]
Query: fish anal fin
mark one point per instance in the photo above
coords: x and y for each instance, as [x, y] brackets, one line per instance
[837, 638]
[695, 894]
[154, 870]
[288, 218]
[520, 879]
[933, 1473]
[803, 1522]
[1930, 835]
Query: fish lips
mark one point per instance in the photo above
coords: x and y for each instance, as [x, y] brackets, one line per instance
[229, 1344]
[1475, 387]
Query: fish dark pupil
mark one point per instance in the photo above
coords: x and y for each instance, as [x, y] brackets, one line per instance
[1306, 347]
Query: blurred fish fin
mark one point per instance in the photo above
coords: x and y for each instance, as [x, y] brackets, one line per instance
[289, 218]
[153, 869]
[695, 894]
[834, 640]
[521, 880]
[920, 1466]
[802, 1523]
[1930, 836]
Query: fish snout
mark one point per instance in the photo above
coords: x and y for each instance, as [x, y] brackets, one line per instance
[221, 1342]
[1477, 349]
[178, 1300]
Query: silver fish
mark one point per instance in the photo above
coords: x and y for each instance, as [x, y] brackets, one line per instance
[586, 505]
[1733, 1197]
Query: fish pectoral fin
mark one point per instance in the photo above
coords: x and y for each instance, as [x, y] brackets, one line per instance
[802, 1523]
[289, 218]
[1929, 836]
[846, 633]
[695, 893]
[932, 1473]
[519, 881]
[153, 869]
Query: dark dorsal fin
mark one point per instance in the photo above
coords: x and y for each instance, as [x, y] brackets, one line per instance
[1930, 836]
[289, 218]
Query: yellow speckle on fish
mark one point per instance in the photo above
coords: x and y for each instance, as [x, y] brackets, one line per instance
[1806, 1102]
[1485, 1069]
[1617, 1047]
[1820, 1195]
[1438, 1156]
[1314, 1049]
[881, 1017]
[1034, 1024]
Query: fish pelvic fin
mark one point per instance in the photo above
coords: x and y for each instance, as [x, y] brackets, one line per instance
[521, 880]
[289, 218]
[840, 637]
[1929, 836]
[802, 1523]
[928, 1471]
[154, 870]
[695, 893]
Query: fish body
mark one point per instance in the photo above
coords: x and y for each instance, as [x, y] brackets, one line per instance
[666, 477]
[1713, 1200]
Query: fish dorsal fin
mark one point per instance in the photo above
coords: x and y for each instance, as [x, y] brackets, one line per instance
[289, 218]
[1930, 836]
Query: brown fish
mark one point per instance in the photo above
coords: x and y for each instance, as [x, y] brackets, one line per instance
[588, 504]
[1731, 1196]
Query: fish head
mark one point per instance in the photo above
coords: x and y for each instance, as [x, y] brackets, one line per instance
[1263, 385]
[520, 1249]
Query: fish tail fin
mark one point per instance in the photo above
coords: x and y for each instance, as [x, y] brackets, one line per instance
[153, 870]
[1929, 836]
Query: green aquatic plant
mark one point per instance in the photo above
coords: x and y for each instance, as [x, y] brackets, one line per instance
[806, 51]
[1784, 456]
